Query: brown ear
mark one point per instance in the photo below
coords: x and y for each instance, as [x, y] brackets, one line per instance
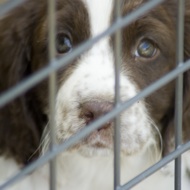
[168, 134]
[187, 32]
[186, 105]
[20, 121]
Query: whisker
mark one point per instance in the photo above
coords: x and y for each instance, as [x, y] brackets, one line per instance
[42, 142]
[158, 152]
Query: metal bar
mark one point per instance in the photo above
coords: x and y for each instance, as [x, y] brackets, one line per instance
[117, 131]
[9, 5]
[52, 88]
[49, 155]
[156, 167]
[40, 75]
[179, 91]
[98, 123]
[153, 87]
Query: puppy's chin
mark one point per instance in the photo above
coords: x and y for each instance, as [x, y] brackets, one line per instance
[95, 151]
[98, 143]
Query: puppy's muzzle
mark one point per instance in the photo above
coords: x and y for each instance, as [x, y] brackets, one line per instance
[92, 110]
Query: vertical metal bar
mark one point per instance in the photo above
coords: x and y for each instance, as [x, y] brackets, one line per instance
[179, 91]
[52, 88]
[117, 56]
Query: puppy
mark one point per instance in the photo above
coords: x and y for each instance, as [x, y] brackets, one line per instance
[86, 92]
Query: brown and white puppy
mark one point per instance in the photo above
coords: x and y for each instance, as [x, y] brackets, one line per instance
[86, 91]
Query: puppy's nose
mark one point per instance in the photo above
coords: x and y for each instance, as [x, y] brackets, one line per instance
[92, 110]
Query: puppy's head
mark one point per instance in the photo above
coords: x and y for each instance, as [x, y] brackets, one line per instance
[86, 86]
[86, 90]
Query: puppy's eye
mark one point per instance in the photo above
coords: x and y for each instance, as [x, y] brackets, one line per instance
[63, 43]
[146, 49]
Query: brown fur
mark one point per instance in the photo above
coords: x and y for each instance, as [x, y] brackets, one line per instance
[21, 121]
[23, 50]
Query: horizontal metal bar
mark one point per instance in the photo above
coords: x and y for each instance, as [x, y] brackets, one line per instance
[42, 74]
[49, 155]
[147, 91]
[9, 5]
[156, 167]
[85, 132]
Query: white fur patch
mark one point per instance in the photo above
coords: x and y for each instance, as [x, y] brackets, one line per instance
[100, 14]
[77, 172]
[93, 80]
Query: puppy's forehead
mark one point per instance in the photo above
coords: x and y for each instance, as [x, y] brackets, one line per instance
[100, 14]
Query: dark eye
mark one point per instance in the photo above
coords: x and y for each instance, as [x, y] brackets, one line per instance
[146, 49]
[63, 43]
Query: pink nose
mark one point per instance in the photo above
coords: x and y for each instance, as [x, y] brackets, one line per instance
[92, 110]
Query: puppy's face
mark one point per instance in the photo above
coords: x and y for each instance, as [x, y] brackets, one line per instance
[86, 87]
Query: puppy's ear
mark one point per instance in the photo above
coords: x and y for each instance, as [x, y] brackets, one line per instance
[186, 105]
[20, 120]
[187, 32]
[168, 134]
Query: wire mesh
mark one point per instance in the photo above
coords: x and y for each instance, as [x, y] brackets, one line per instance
[55, 65]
